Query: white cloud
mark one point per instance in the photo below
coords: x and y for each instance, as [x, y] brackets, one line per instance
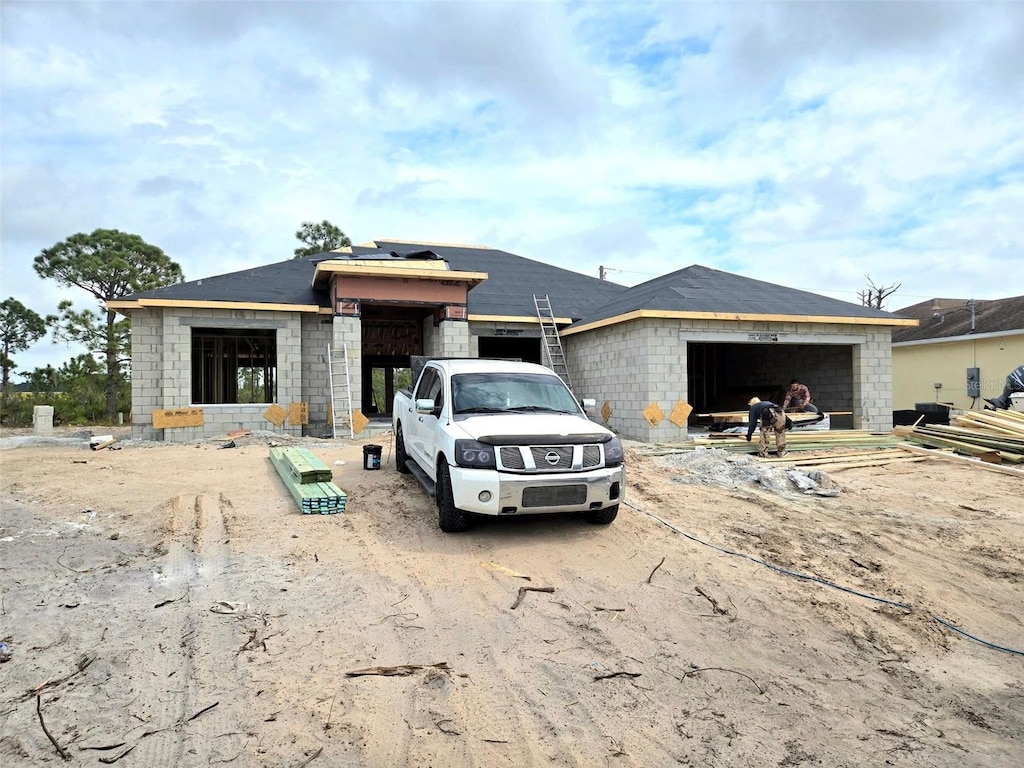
[806, 144]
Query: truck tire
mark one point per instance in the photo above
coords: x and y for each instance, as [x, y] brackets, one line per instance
[400, 455]
[450, 519]
[602, 516]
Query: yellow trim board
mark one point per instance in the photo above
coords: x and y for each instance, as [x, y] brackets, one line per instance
[341, 268]
[406, 264]
[641, 314]
[514, 319]
[189, 304]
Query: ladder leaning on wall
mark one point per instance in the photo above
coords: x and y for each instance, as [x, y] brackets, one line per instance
[341, 388]
[552, 342]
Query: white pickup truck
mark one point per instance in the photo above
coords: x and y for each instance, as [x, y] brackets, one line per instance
[494, 437]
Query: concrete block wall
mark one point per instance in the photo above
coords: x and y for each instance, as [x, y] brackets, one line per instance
[454, 338]
[147, 372]
[348, 331]
[633, 364]
[872, 382]
[629, 365]
[431, 338]
[450, 338]
[162, 354]
[493, 328]
[317, 334]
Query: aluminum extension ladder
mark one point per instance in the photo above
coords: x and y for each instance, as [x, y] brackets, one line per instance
[552, 342]
[341, 388]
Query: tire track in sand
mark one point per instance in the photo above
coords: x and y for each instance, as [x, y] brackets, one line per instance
[193, 667]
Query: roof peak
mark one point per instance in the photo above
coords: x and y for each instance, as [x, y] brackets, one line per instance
[376, 244]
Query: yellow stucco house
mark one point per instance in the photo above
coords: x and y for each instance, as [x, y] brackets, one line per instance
[959, 354]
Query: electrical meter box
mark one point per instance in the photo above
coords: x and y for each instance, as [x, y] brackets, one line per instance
[974, 382]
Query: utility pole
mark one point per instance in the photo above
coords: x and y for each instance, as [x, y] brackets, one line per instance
[602, 271]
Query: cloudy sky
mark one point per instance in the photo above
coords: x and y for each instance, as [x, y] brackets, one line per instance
[811, 144]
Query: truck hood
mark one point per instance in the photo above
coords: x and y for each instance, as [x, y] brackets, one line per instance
[535, 428]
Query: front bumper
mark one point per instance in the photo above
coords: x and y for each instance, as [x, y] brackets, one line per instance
[514, 494]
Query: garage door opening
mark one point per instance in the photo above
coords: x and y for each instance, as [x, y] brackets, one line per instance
[723, 377]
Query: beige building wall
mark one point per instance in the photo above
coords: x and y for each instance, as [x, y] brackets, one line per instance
[918, 366]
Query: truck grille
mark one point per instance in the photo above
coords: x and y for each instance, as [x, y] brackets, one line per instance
[514, 458]
[554, 496]
[511, 458]
[557, 457]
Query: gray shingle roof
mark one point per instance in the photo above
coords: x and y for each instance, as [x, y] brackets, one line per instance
[286, 282]
[701, 289]
[512, 281]
[946, 318]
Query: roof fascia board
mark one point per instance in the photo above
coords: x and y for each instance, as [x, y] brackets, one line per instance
[188, 304]
[964, 337]
[325, 268]
[514, 319]
[121, 306]
[736, 316]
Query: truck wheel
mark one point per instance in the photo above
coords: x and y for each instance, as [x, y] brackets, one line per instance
[602, 516]
[450, 519]
[400, 455]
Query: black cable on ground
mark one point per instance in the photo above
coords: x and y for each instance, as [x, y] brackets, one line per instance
[824, 582]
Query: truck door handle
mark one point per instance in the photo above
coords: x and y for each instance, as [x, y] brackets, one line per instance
[421, 419]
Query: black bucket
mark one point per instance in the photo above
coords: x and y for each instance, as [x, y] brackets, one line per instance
[371, 456]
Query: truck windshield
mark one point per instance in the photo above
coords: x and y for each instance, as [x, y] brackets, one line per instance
[495, 392]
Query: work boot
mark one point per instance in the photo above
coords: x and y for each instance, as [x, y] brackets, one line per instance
[782, 453]
[997, 403]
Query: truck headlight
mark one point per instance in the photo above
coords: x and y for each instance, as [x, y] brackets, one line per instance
[470, 453]
[613, 452]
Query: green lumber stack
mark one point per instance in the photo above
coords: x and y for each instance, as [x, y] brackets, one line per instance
[308, 480]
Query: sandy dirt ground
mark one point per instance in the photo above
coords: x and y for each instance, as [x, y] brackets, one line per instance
[170, 606]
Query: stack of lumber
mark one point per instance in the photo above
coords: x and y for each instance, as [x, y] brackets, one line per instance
[802, 441]
[308, 480]
[992, 436]
[852, 459]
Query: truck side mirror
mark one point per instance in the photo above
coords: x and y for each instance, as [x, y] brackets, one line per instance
[424, 405]
[588, 403]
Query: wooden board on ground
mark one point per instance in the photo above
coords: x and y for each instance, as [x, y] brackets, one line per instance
[177, 417]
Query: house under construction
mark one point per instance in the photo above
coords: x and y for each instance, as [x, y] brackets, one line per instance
[317, 345]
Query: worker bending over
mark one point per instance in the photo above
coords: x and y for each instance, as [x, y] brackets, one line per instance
[771, 418]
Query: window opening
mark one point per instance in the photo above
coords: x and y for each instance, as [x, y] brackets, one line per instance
[234, 366]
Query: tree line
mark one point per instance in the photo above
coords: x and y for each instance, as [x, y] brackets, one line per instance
[107, 264]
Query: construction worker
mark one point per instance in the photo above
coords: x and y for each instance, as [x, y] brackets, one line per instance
[800, 396]
[770, 417]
